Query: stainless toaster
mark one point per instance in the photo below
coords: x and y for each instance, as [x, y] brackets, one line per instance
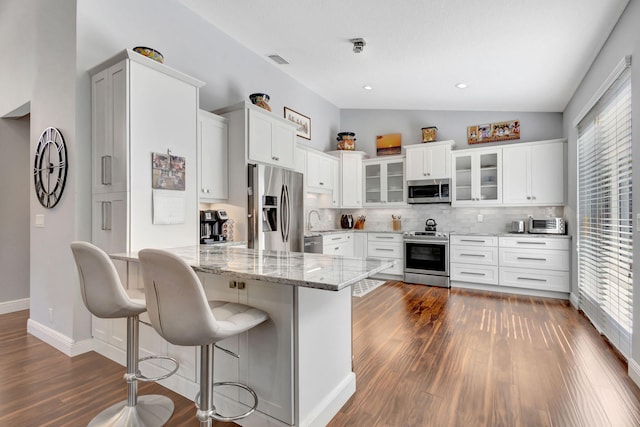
[547, 226]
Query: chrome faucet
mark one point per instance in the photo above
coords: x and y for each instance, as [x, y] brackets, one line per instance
[309, 218]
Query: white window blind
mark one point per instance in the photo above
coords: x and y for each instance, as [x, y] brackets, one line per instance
[605, 246]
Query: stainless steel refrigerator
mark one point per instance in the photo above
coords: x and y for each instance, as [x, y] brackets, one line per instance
[275, 209]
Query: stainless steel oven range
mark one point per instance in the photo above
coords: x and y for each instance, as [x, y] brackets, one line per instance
[426, 258]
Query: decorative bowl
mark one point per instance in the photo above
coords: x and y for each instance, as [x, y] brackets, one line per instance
[149, 53]
[261, 100]
[346, 141]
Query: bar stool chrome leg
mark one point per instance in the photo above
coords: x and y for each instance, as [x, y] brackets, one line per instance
[139, 411]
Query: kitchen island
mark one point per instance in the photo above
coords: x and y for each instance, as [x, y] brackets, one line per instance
[299, 362]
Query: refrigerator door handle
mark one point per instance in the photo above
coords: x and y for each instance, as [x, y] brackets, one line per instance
[252, 229]
[288, 208]
[282, 208]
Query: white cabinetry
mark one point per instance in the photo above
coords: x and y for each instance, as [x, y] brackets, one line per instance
[533, 173]
[477, 177]
[429, 160]
[350, 178]
[384, 183]
[338, 244]
[389, 247]
[320, 172]
[474, 259]
[360, 244]
[539, 263]
[213, 159]
[273, 382]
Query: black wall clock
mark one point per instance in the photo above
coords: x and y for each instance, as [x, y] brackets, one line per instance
[50, 167]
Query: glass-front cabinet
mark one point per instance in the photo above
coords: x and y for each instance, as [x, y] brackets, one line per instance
[384, 183]
[477, 177]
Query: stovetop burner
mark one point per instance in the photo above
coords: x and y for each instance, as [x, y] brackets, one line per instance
[426, 235]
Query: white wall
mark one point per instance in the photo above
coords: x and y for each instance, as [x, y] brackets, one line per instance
[624, 40]
[367, 124]
[14, 210]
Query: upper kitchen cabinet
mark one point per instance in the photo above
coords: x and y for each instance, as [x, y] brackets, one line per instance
[320, 171]
[384, 183]
[350, 178]
[133, 100]
[533, 173]
[477, 177]
[213, 159]
[265, 137]
[429, 160]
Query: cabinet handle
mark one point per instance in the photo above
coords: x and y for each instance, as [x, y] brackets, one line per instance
[384, 237]
[233, 284]
[336, 238]
[106, 216]
[533, 197]
[384, 249]
[473, 240]
[475, 255]
[471, 273]
[321, 183]
[275, 158]
[533, 279]
[528, 197]
[531, 258]
[531, 243]
[241, 285]
[337, 248]
[206, 190]
[106, 170]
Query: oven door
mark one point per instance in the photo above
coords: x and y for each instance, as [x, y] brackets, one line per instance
[426, 257]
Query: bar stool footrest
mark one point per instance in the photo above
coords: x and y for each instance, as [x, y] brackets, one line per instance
[141, 377]
[219, 417]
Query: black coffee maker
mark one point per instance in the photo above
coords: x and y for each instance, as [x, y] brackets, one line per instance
[211, 226]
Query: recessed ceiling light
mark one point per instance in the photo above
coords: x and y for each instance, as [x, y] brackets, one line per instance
[461, 85]
[367, 87]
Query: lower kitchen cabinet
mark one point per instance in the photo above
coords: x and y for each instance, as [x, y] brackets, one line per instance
[338, 244]
[474, 259]
[360, 244]
[387, 246]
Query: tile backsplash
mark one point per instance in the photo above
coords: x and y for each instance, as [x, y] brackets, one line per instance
[449, 219]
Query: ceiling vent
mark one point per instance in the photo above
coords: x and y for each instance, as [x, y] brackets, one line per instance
[278, 59]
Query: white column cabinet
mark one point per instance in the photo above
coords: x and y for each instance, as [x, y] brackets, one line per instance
[533, 173]
[271, 139]
[213, 158]
[429, 160]
[477, 177]
[350, 177]
[384, 183]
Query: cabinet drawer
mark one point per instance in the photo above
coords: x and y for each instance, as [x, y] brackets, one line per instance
[329, 239]
[557, 281]
[384, 237]
[398, 267]
[534, 243]
[538, 259]
[474, 240]
[474, 255]
[485, 274]
[385, 250]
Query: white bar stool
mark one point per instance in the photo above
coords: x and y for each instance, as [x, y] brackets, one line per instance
[180, 312]
[105, 297]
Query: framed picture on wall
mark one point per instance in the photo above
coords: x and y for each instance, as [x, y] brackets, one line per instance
[303, 122]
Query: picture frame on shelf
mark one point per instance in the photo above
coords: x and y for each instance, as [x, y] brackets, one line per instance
[493, 132]
[303, 122]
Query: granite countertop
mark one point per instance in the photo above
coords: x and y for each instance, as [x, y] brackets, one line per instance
[521, 235]
[346, 230]
[318, 271]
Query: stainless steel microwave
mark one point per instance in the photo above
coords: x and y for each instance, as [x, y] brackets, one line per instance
[428, 191]
[547, 226]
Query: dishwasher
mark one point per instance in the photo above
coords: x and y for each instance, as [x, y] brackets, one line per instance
[313, 244]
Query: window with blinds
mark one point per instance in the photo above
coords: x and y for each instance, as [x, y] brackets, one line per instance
[605, 247]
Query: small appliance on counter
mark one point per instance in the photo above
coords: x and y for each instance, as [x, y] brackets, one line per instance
[430, 225]
[211, 224]
[346, 221]
[516, 227]
[547, 226]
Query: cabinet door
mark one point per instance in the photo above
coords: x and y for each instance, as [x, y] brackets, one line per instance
[547, 174]
[416, 169]
[374, 192]
[437, 162]
[517, 175]
[109, 110]
[462, 185]
[394, 182]
[489, 177]
[213, 157]
[319, 173]
[260, 137]
[283, 145]
[351, 177]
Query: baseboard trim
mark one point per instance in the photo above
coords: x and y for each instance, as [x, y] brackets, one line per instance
[575, 300]
[331, 404]
[58, 340]
[15, 305]
[510, 290]
[633, 370]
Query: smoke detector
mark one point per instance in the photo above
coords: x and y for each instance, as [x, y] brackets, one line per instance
[358, 45]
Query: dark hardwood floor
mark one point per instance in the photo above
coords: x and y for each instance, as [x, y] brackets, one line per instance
[423, 356]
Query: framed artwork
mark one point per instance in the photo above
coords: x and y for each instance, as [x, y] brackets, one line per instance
[303, 122]
[493, 132]
[390, 144]
[168, 171]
